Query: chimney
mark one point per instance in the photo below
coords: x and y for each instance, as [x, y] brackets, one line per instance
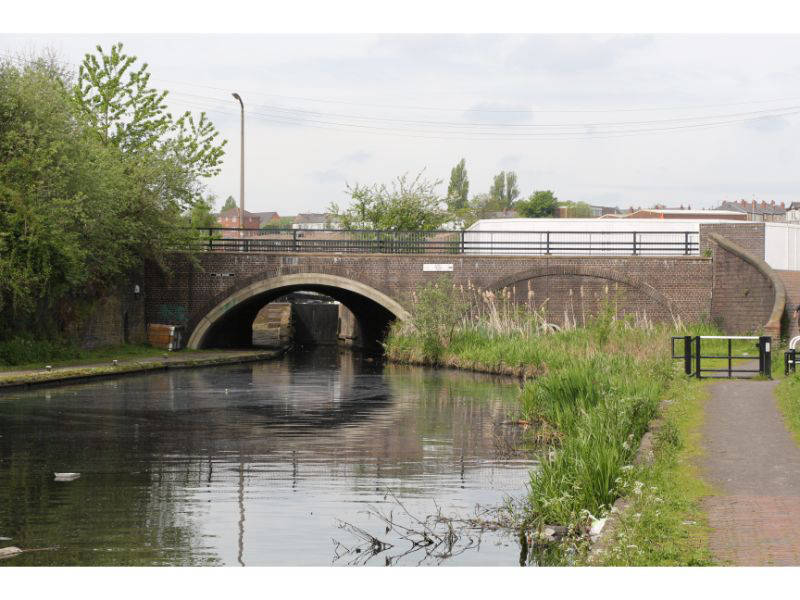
[783, 206]
[772, 204]
[743, 203]
[763, 204]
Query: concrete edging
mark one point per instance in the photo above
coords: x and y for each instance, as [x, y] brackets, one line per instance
[134, 368]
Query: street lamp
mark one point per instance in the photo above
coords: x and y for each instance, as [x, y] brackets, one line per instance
[241, 175]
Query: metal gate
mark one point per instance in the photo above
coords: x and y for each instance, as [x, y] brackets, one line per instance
[790, 356]
[721, 362]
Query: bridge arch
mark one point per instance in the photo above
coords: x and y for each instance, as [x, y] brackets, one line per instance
[574, 276]
[226, 320]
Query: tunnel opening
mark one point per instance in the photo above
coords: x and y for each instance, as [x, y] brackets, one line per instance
[348, 318]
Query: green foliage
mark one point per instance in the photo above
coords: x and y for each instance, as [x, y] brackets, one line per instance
[94, 180]
[504, 190]
[458, 190]
[538, 205]
[436, 310]
[281, 223]
[405, 205]
[577, 210]
[201, 214]
[597, 387]
[229, 203]
[664, 524]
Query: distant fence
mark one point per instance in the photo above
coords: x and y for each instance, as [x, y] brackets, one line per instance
[219, 239]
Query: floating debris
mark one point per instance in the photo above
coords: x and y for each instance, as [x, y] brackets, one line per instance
[66, 476]
[9, 551]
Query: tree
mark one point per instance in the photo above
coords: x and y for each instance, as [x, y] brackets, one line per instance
[95, 179]
[280, 223]
[458, 190]
[119, 105]
[577, 210]
[538, 205]
[504, 190]
[201, 216]
[229, 203]
[405, 205]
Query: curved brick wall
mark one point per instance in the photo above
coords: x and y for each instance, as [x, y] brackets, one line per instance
[748, 296]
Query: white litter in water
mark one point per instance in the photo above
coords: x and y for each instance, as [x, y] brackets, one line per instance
[67, 476]
[9, 551]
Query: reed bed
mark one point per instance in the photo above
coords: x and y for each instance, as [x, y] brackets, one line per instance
[597, 385]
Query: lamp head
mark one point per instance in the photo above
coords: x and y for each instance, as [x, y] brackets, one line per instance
[238, 97]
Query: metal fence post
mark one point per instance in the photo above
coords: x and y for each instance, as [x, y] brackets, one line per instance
[634, 243]
[686, 243]
[210, 239]
[765, 356]
[687, 354]
[697, 356]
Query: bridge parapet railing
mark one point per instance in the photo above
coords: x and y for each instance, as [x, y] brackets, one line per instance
[636, 243]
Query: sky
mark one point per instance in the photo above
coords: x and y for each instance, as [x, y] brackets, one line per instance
[616, 120]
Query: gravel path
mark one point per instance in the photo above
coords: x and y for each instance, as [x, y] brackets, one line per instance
[753, 463]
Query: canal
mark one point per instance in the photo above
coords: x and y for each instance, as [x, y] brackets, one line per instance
[285, 462]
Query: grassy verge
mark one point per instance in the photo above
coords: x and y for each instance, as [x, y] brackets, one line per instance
[19, 355]
[788, 396]
[664, 524]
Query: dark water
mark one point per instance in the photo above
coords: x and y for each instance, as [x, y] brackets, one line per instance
[255, 464]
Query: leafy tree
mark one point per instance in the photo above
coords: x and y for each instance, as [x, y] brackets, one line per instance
[538, 205]
[201, 215]
[577, 210]
[458, 190]
[504, 190]
[405, 205]
[281, 223]
[229, 203]
[117, 101]
[95, 179]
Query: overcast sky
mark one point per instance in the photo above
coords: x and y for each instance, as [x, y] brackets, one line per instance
[612, 120]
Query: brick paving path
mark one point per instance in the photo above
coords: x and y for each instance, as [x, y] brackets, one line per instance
[753, 463]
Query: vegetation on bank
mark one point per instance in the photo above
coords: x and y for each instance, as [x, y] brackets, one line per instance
[663, 523]
[96, 176]
[597, 383]
[788, 395]
[25, 353]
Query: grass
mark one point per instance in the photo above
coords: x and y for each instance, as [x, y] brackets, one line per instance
[788, 395]
[40, 354]
[593, 391]
[664, 524]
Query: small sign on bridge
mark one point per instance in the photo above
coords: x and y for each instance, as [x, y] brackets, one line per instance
[437, 267]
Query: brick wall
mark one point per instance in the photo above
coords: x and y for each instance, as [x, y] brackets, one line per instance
[742, 296]
[570, 287]
[113, 320]
[791, 280]
[749, 236]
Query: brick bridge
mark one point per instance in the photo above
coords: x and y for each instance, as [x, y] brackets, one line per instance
[218, 297]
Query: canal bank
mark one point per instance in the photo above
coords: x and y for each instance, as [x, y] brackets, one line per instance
[183, 359]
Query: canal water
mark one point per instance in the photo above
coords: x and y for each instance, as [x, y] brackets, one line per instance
[288, 462]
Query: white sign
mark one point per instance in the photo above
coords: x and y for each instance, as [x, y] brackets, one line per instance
[437, 267]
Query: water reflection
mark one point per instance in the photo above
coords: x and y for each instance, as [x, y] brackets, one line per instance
[249, 464]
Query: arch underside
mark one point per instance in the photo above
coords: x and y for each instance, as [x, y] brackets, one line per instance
[229, 323]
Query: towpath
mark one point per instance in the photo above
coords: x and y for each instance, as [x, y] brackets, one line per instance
[753, 463]
[169, 360]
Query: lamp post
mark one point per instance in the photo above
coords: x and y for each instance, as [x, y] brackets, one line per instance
[241, 174]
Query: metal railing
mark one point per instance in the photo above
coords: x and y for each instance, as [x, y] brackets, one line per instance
[790, 356]
[693, 356]
[655, 243]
